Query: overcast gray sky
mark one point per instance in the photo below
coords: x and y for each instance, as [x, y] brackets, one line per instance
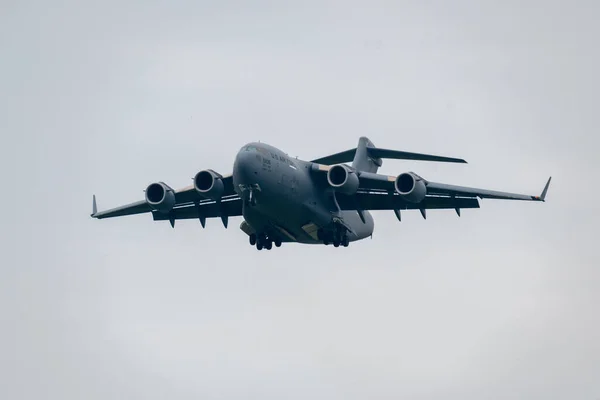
[106, 97]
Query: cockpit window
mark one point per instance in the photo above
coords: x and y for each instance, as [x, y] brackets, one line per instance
[263, 151]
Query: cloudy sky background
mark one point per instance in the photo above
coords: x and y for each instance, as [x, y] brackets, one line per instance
[106, 97]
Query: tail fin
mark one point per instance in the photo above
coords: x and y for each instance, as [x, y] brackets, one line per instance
[364, 160]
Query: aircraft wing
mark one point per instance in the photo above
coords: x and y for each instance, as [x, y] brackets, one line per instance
[377, 192]
[444, 189]
[379, 182]
[189, 195]
[384, 201]
[183, 197]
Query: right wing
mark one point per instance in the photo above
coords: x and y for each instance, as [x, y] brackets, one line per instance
[186, 196]
[230, 207]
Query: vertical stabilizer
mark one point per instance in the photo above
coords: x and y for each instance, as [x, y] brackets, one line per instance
[362, 160]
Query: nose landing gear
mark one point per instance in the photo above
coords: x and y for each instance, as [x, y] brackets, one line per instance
[249, 194]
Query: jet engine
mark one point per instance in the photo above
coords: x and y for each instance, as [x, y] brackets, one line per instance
[343, 179]
[160, 197]
[411, 187]
[209, 184]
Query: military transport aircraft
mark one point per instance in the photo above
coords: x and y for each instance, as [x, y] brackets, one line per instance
[323, 201]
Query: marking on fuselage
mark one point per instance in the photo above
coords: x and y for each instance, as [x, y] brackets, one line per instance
[285, 232]
[311, 230]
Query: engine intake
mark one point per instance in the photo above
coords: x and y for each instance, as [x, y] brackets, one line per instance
[343, 179]
[160, 197]
[411, 187]
[209, 184]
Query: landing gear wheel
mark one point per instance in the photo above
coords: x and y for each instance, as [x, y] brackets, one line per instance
[268, 245]
[336, 243]
[252, 239]
[345, 241]
[259, 245]
[277, 243]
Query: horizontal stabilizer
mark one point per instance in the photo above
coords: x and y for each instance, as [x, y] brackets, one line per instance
[337, 158]
[375, 152]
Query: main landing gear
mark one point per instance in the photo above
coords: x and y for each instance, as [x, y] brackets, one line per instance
[262, 241]
[337, 237]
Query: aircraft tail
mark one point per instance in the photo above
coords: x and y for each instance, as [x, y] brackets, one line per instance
[368, 158]
[363, 159]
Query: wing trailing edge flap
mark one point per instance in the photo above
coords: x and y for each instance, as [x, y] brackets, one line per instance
[202, 211]
[141, 207]
[375, 202]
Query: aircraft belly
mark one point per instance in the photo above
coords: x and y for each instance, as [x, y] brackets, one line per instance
[361, 230]
[285, 201]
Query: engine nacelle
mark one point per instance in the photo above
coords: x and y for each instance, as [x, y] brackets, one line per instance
[209, 184]
[160, 197]
[343, 179]
[411, 187]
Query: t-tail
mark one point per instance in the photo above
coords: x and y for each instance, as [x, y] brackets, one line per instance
[368, 158]
[363, 160]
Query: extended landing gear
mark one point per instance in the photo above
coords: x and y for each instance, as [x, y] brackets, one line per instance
[336, 238]
[249, 194]
[262, 241]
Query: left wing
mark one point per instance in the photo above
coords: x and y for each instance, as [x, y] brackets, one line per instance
[444, 189]
[380, 192]
[384, 201]
[377, 182]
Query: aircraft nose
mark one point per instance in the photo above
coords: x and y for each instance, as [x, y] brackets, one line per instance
[246, 166]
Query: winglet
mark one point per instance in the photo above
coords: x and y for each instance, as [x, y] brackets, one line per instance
[543, 195]
[94, 206]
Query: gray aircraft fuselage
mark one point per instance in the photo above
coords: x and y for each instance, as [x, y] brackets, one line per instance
[282, 199]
